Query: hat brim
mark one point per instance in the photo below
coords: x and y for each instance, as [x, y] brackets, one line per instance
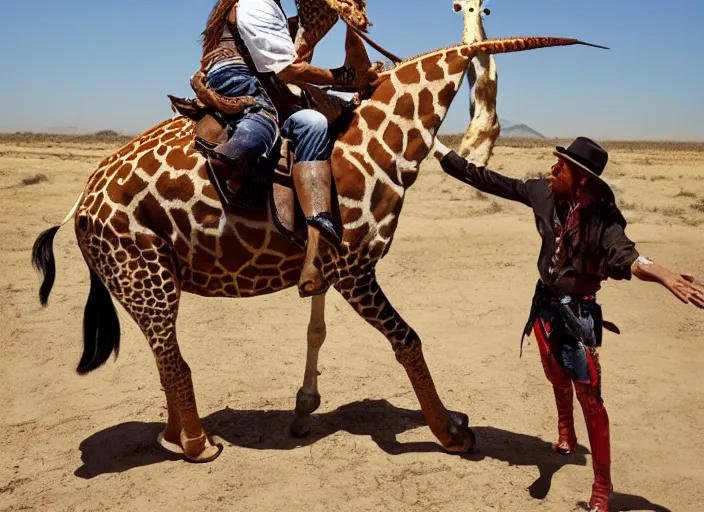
[561, 153]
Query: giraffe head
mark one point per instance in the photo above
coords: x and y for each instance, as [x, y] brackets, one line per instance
[472, 10]
[471, 6]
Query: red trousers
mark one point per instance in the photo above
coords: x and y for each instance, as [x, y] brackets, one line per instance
[589, 397]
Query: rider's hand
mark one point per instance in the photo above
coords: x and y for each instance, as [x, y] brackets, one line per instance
[369, 78]
[683, 287]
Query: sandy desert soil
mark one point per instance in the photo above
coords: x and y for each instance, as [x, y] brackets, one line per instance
[461, 271]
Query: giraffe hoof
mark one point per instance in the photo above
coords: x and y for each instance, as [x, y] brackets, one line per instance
[210, 452]
[300, 426]
[311, 288]
[462, 438]
[168, 445]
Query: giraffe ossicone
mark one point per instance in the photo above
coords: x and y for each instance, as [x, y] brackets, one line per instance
[150, 226]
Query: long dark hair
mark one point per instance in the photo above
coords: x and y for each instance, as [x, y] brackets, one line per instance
[584, 248]
[216, 22]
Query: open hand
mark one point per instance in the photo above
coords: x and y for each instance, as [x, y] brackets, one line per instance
[369, 78]
[684, 288]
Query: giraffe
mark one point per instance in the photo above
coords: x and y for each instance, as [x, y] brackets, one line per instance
[150, 227]
[478, 142]
[316, 18]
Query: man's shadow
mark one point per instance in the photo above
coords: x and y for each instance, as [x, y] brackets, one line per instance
[133, 444]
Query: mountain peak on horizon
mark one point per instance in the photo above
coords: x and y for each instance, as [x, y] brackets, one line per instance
[511, 129]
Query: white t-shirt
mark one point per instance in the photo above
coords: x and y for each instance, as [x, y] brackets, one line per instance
[264, 29]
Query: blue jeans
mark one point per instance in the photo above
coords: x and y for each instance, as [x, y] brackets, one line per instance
[308, 131]
[253, 135]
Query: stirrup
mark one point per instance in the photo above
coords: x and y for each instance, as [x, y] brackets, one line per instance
[324, 224]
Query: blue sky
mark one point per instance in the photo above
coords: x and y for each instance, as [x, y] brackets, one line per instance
[109, 64]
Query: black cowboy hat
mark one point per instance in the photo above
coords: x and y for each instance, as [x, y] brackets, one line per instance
[588, 156]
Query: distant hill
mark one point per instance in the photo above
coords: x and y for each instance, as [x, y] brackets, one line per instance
[510, 129]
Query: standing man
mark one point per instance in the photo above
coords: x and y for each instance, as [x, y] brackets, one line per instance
[583, 244]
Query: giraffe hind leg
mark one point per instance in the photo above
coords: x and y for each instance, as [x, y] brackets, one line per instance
[143, 278]
[308, 398]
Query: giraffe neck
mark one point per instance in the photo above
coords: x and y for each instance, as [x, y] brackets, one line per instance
[480, 138]
[397, 125]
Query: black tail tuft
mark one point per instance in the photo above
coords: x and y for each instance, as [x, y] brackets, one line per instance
[101, 327]
[43, 262]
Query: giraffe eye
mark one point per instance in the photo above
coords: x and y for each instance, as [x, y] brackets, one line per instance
[487, 11]
[457, 7]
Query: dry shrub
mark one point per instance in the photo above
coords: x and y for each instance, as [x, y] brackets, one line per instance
[685, 193]
[628, 205]
[670, 211]
[34, 179]
[494, 207]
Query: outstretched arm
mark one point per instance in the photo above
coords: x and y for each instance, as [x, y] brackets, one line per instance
[303, 72]
[264, 30]
[623, 261]
[681, 286]
[482, 178]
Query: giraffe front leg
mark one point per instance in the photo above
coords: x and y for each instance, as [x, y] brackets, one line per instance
[308, 398]
[368, 299]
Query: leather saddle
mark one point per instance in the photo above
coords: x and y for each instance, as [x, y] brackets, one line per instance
[270, 184]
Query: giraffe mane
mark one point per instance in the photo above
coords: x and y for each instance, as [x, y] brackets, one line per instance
[502, 45]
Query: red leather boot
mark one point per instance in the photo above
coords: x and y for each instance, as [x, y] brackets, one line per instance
[566, 437]
[597, 421]
[562, 387]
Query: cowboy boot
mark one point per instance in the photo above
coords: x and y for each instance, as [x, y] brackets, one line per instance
[562, 387]
[597, 421]
[566, 437]
[312, 181]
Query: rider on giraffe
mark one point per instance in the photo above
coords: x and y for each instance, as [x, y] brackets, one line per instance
[248, 51]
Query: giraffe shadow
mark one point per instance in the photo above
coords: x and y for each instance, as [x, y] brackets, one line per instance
[133, 444]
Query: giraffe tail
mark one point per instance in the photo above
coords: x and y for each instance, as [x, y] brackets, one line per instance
[43, 255]
[101, 327]
[43, 262]
[518, 44]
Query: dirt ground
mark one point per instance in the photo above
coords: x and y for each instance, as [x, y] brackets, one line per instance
[461, 271]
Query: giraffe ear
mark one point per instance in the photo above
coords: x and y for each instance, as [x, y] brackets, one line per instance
[356, 52]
